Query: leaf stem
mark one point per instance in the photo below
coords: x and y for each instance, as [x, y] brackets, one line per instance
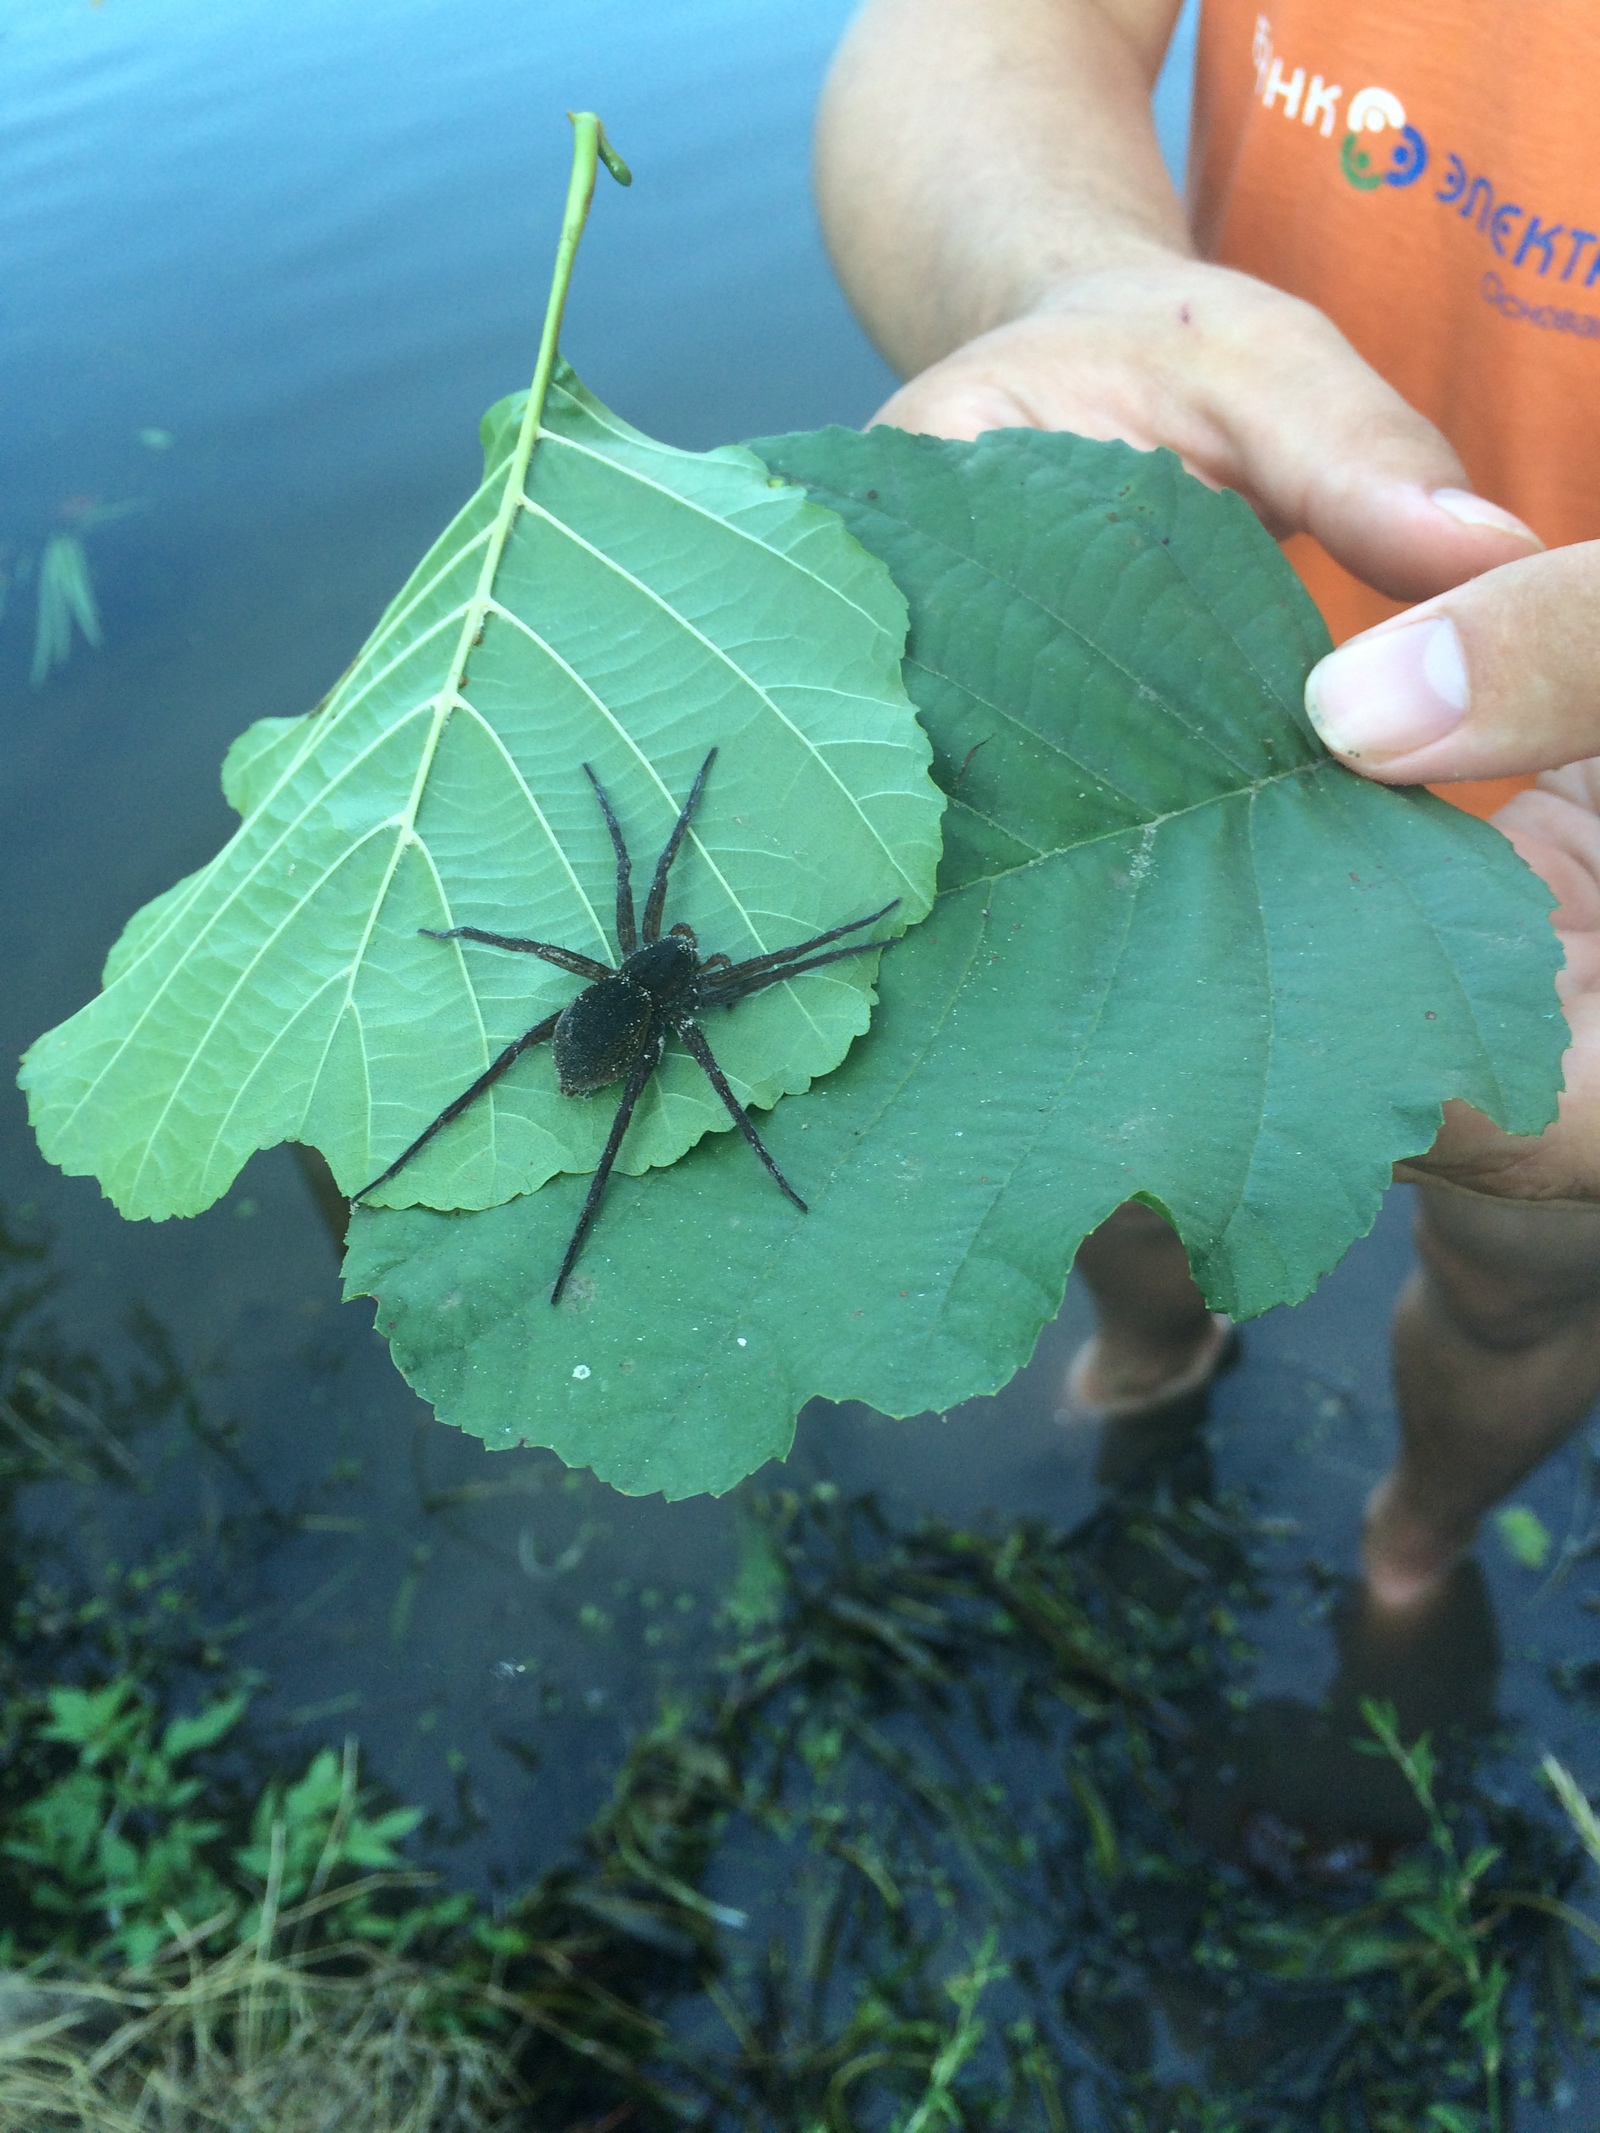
[590, 149]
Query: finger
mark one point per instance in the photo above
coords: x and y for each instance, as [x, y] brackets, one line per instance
[1324, 445]
[1556, 831]
[1559, 1166]
[1498, 678]
[1310, 435]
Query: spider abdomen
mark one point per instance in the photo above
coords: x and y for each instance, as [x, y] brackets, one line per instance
[601, 1034]
[606, 1028]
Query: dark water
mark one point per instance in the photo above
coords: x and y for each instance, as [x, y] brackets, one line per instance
[261, 269]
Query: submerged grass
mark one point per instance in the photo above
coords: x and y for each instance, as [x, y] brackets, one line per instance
[946, 1732]
[976, 1829]
[66, 600]
[66, 595]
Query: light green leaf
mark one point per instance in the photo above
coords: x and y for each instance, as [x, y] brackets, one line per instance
[1178, 952]
[92, 1718]
[615, 602]
[203, 1728]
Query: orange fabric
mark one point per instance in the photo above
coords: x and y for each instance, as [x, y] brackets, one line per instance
[1426, 176]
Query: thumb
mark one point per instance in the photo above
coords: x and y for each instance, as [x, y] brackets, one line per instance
[1499, 678]
[1321, 443]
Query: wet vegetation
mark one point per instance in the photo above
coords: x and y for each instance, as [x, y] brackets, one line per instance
[970, 1828]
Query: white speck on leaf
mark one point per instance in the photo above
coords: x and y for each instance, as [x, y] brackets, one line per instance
[580, 1370]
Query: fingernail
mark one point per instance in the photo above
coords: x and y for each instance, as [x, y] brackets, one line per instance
[1469, 510]
[1391, 692]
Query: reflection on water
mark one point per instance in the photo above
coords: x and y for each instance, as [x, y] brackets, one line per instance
[265, 267]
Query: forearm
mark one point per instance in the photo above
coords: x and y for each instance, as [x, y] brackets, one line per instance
[974, 154]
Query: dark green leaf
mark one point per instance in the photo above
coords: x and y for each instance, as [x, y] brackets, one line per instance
[1178, 952]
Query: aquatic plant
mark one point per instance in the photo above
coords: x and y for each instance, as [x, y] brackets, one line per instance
[926, 1738]
[66, 596]
[66, 599]
[923, 1687]
[1162, 911]
[117, 1852]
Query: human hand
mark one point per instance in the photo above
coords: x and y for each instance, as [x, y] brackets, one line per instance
[1159, 349]
[1255, 391]
[1500, 677]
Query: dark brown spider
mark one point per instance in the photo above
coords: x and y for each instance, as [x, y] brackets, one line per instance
[619, 1024]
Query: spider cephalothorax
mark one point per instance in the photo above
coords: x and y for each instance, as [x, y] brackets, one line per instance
[617, 1027]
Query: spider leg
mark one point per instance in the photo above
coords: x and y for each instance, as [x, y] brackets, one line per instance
[581, 966]
[627, 936]
[720, 993]
[753, 963]
[643, 1067]
[651, 928]
[697, 1045]
[491, 1074]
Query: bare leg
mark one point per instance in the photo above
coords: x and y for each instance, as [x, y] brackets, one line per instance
[1155, 1327]
[1496, 1362]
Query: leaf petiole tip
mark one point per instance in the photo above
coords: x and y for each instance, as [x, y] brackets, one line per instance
[613, 162]
[603, 148]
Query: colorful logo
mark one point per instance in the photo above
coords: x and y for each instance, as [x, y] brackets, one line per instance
[1378, 111]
